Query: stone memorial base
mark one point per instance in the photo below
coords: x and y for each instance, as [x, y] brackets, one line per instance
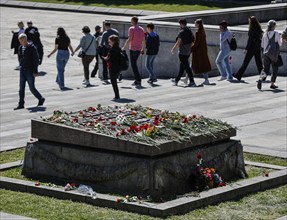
[69, 151]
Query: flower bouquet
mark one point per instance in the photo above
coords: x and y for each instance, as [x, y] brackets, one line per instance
[204, 178]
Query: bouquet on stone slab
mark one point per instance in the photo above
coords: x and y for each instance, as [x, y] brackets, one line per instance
[204, 178]
[140, 124]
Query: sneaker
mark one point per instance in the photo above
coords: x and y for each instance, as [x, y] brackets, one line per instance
[259, 84]
[155, 80]
[264, 78]
[206, 82]
[175, 83]
[19, 107]
[106, 82]
[237, 77]
[135, 83]
[17, 68]
[150, 81]
[222, 78]
[229, 79]
[191, 84]
[120, 77]
[273, 87]
[84, 81]
[41, 102]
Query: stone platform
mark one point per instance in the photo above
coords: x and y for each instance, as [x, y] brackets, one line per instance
[117, 165]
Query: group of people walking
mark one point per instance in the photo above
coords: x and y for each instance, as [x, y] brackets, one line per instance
[106, 46]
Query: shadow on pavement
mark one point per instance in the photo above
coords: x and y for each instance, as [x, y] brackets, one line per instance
[36, 109]
[123, 100]
[42, 73]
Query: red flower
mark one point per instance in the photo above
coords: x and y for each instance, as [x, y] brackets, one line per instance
[155, 122]
[75, 120]
[221, 184]
[194, 116]
[185, 120]
[199, 156]
[123, 131]
[73, 184]
[113, 122]
[92, 109]
[117, 134]
[134, 112]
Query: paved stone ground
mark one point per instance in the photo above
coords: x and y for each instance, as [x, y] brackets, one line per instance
[6, 216]
[260, 116]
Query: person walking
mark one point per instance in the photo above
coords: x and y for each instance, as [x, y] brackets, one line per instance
[200, 60]
[270, 37]
[183, 43]
[15, 41]
[29, 61]
[253, 47]
[97, 35]
[88, 46]
[33, 35]
[105, 47]
[222, 60]
[136, 41]
[113, 60]
[152, 48]
[62, 44]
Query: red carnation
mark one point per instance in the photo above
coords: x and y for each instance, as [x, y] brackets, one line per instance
[199, 156]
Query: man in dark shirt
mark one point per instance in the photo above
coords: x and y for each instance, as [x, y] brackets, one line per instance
[105, 47]
[33, 35]
[29, 61]
[183, 43]
[97, 35]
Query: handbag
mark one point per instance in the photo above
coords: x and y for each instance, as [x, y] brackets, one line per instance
[82, 53]
[279, 61]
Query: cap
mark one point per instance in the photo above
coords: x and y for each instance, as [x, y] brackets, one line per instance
[98, 27]
[271, 23]
[223, 23]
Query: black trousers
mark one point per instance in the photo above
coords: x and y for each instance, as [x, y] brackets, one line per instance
[114, 76]
[184, 66]
[256, 52]
[96, 67]
[266, 70]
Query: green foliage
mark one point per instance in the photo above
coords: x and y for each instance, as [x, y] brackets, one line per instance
[265, 159]
[155, 5]
[12, 155]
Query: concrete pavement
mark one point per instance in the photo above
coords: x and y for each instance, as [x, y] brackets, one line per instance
[260, 116]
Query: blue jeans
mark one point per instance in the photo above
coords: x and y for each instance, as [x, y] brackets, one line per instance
[222, 63]
[62, 59]
[134, 55]
[149, 66]
[27, 76]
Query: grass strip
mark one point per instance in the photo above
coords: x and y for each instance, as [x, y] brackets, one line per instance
[265, 159]
[269, 204]
[155, 5]
[12, 155]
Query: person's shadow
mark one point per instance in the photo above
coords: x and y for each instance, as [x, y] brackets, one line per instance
[42, 73]
[123, 100]
[36, 109]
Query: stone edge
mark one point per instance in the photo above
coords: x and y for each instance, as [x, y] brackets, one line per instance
[174, 207]
[79, 8]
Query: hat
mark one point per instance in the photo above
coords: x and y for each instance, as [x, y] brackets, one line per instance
[223, 23]
[98, 27]
[271, 23]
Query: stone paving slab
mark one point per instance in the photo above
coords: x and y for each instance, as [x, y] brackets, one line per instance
[6, 216]
[260, 116]
[10, 165]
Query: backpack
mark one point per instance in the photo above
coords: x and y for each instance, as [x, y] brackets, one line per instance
[152, 45]
[232, 43]
[124, 61]
[272, 50]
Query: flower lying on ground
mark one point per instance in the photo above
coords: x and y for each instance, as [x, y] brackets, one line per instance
[140, 124]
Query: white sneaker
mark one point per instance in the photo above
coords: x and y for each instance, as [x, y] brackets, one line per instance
[175, 83]
[87, 82]
[222, 78]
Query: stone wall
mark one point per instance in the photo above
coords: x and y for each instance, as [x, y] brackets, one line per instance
[167, 65]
